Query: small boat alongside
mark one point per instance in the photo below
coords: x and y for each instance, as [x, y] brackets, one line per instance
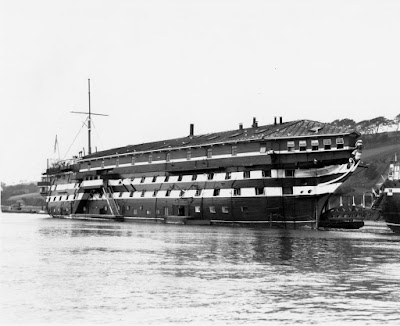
[349, 217]
[388, 197]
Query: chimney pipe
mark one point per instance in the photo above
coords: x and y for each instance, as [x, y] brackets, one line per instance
[255, 124]
[274, 120]
[240, 126]
[280, 120]
[191, 129]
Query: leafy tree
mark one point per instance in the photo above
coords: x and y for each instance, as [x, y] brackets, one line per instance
[372, 126]
[344, 122]
[364, 126]
[378, 122]
[396, 121]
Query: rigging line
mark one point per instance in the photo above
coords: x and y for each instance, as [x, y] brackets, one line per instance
[83, 125]
[98, 135]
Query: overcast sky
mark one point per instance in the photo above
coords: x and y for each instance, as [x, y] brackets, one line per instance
[157, 66]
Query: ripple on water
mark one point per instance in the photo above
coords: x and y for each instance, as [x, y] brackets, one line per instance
[78, 271]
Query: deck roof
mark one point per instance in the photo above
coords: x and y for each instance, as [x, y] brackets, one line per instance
[291, 129]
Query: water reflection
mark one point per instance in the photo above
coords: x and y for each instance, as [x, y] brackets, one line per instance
[151, 274]
[83, 229]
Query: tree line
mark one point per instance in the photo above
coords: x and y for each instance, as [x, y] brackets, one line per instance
[371, 126]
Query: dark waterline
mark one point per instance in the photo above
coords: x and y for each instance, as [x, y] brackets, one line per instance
[55, 271]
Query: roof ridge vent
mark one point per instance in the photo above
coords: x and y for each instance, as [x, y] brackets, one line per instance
[315, 129]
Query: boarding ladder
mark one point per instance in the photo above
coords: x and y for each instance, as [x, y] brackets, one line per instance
[377, 204]
[110, 201]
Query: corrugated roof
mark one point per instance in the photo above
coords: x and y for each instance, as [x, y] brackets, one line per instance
[298, 128]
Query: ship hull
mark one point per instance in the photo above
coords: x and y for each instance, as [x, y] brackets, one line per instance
[277, 175]
[287, 212]
[391, 210]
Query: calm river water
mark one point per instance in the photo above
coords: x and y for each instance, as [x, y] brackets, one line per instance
[65, 271]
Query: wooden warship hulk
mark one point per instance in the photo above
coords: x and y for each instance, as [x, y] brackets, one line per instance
[280, 174]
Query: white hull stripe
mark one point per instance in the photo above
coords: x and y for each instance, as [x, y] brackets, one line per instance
[258, 174]
[392, 190]
[206, 193]
[393, 224]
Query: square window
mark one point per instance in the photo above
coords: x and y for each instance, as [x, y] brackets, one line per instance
[212, 209]
[194, 177]
[180, 178]
[166, 211]
[263, 148]
[155, 193]
[148, 212]
[209, 152]
[102, 164]
[290, 146]
[168, 157]
[210, 176]
[327, 144]
[289, 173]
[133, 160]
[142, 179]
[236, 191]
[314, 145]
[166, 178]
[143, 192]
[168, 193]
[287, 190]
[259, 191]
[227, 175]
[266, 173]
[302, 145]
[131, 194]
[197, 209]
[339, 143]
[216, 192]
[135, 211]
[198, 192]
[244, 209]
[154, 179]
[246, 174]
[234, 150]
[225, 209]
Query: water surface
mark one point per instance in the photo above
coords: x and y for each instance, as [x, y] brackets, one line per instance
[66, 271]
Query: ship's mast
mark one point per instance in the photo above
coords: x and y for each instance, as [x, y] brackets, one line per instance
[89, 124]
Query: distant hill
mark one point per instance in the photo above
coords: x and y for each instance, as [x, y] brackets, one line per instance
[379, 150]
[24, 194]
